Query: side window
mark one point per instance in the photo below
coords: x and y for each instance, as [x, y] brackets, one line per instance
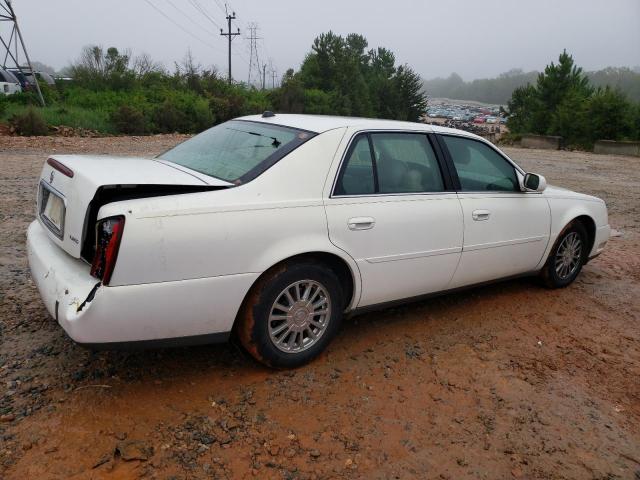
[357, 174]
[479, 167]
[406, 163]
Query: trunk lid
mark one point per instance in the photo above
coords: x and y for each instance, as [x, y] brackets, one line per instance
[81, 191]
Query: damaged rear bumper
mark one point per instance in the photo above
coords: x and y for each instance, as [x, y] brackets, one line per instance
[131, 315]
[64, 282]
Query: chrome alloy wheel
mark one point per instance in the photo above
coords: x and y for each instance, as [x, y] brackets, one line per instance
[299, 316]
[568, 256]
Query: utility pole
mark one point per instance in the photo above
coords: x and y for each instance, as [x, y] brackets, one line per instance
[264, 75]
[230, 36]
[13, 41]
[273, 78]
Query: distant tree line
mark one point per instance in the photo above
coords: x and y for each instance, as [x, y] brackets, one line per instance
[564, 102]
[498, 90]
[110, 91]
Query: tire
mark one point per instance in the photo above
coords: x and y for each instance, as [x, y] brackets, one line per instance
[267, 331]
[562, 268]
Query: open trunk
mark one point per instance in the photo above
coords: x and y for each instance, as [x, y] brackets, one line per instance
[72, 188]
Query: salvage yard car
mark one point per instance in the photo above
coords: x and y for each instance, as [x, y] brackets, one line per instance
[274, 227]
[9, 84]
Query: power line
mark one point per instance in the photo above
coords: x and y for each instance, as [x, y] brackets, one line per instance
[170, 2]
[202, 10]
[239, 54]
[178, 25]
[221, 7]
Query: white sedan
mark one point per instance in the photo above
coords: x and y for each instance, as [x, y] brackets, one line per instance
[275, 226]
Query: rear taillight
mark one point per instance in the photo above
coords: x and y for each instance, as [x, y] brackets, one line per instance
[108, 235]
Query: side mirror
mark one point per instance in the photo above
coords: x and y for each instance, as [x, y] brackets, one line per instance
[534, 183]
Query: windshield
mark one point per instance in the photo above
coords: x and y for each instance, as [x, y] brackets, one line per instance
[236, 151]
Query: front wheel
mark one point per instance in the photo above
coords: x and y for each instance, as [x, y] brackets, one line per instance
[567, 257]
[291, 314]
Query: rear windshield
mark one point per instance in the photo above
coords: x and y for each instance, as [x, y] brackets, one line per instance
[237, 151]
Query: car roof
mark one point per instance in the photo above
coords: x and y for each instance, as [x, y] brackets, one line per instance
[9, 75]
[323, 123]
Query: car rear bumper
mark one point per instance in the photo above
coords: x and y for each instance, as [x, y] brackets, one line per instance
[169, 313]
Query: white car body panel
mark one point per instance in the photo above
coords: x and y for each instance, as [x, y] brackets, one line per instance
[516, 228]
[134, 313]
[566, 205]
[9, 88]
[186, 261]
[397, 266]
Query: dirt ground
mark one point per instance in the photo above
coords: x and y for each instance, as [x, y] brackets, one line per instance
[505, 381]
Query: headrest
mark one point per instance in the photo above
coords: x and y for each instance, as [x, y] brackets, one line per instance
[459, 152]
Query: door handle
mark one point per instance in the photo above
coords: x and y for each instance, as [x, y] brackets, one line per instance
[479, 215]
[361, 223]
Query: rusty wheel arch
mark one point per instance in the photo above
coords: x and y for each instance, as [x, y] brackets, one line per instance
[244, 320]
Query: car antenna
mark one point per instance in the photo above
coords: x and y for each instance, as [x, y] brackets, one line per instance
[268, 114]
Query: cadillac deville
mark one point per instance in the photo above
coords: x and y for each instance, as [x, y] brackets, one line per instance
[274, 227]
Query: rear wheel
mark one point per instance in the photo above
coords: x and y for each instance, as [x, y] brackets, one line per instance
[291, 314]
[567, 257]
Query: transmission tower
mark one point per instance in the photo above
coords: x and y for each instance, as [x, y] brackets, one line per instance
[254, 62]
[13, 47]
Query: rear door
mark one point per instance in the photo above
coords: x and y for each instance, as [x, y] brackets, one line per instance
[392, 209]
[506, 231]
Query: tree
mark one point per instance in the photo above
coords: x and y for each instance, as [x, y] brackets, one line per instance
[411, 102]
[342, 76]
[558, 80]
[523, 102]
[96, 68]
[610, 115]
[144, 65]
[42, 67]
[290, 97]
[563, 103]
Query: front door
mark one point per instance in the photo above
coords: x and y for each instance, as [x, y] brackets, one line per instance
[506, 231]
[391, 211]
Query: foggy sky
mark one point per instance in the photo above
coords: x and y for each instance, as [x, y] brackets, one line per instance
[475, 38]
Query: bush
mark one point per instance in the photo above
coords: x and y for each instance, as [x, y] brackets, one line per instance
[167, 118]
[29, 123]
[129, 120]
[24, 98]
[3, 105]
[182, 113]
[610, 115]
[49, 93]
[76, 117]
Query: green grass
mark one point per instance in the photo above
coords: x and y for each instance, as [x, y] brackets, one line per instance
[76, 117]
